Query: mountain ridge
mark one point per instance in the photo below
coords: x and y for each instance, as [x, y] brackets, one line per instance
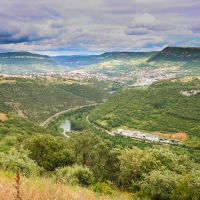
[177, 54]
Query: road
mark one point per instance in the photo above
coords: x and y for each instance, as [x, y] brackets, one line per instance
[47, 121]
[97, 127]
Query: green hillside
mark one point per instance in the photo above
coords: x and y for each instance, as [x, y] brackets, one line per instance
[167, 107]
[85, 166]
[38, 99]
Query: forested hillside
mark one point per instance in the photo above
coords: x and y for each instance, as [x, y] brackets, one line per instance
[39, 98]
[84, 159]
[165, 107]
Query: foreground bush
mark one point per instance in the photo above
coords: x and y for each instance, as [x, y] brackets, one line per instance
[76, 175]
[14, 160]
[159, 184]
[102, 188]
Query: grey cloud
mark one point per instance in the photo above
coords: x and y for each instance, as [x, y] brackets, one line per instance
[62, 24]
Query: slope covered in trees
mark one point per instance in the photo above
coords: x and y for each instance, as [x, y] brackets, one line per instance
[40, 98]
[166, 106]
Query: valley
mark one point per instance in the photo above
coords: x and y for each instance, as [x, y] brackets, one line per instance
[134, 120]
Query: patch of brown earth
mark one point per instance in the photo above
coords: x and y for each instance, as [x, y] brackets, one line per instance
[3, 116]
[178, 136]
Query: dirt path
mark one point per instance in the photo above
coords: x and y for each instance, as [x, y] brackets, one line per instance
[47, 121]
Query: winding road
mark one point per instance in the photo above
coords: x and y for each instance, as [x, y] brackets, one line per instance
[47, 121]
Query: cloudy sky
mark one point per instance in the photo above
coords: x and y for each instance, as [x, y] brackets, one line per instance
[64, 27]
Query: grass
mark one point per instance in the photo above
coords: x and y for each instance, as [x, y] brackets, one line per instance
[44, 188]
[3, 116]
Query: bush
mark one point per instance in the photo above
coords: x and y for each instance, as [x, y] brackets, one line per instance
[187, 188]
[76, 175]
[102, 188]
[159, 184]
[14, 160]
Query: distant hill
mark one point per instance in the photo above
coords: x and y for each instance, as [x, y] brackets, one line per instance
[29, 63]
[183, 54]
[22, 58]
[127, 55]
[181, 61]
[77, 61]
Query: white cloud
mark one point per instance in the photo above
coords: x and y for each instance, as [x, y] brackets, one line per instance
[145, 19]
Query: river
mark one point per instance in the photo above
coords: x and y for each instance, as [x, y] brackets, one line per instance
[66, 126]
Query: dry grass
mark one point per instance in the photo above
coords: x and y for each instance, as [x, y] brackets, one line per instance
[45, 189]
[3, 116]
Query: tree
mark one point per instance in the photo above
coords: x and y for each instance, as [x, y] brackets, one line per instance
[158, 185]
[93, 152]
[14, 160]
[133, 164]
[49, 151]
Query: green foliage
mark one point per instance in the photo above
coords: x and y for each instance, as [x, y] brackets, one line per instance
[158, 185]
[95, 153]
[87, 159]
[161, 107]
[20, 126]
[133, 164]
[102, 188]
[46, 97]
[75, 175]
[49, 152]
[13, 160]
[185, 190]
[155, 172]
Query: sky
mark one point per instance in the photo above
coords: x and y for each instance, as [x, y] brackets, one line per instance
[78, 27]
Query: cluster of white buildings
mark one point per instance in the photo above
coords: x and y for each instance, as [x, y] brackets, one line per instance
[189, 93]
[144, 136]
[148, 77]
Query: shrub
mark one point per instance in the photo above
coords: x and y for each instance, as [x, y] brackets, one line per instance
[102, 188]
[14, 160]
[75, 175]
[159, 184]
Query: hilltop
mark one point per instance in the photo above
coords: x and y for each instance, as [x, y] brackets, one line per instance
[24, 58]
[77, 61]
[26, 62]
[180, 54]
